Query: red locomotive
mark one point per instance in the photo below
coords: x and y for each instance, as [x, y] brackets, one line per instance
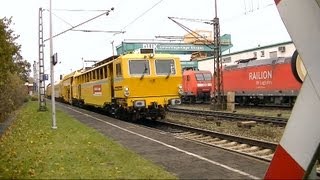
[197, 86]
[262, 82]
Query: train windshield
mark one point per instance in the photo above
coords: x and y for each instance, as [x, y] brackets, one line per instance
[139, 67]
[165, 67]
[203, 76]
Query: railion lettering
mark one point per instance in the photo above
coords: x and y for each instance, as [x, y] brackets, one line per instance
[260, 75]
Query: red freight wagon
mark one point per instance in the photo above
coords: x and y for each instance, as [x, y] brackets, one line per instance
[267, 81]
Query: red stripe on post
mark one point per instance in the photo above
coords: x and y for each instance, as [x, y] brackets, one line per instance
[283, 166]
[277, 1]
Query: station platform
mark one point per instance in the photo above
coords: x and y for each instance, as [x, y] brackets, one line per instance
[183, 158]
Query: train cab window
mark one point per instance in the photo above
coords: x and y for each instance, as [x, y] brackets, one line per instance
[118, 70]
[207, 76]
[139, 67]
[199, 77]
[165, 67]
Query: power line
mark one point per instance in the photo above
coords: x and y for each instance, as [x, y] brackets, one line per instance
[142, 14]
[84, 30]
[61, 19]
[80, 10]
[104, 13]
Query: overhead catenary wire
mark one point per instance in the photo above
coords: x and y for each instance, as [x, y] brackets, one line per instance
[84, 30]
[104, 31]
[145, 12]
[61, 18]
[193, 33]
[104, 13]
[80, 10]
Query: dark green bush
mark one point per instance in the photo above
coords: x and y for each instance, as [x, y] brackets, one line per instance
[34, 98]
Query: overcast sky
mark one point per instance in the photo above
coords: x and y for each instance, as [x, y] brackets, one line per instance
[250, 23]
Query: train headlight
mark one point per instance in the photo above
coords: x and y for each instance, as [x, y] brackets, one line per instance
[139, 103]
[126, 92]
[180, 90]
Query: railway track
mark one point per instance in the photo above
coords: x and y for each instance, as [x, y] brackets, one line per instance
[262, 150]
[258, 149]
[231, 116]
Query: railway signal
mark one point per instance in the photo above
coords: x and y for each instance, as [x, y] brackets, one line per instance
[299, 148]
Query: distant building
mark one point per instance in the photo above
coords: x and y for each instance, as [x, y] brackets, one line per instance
[29, 88]
[284, 49]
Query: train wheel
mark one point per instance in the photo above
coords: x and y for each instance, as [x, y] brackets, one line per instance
[162, 114]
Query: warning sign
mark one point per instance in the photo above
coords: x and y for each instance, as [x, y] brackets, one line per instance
[97, 90]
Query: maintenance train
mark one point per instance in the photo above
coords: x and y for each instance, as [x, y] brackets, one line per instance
[130, 86]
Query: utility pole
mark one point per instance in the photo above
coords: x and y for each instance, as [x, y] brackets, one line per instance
[41, 82]
[53, 103]
[53, 57]
[219, 102]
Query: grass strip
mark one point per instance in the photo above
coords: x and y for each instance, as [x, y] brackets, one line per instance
[31, 149]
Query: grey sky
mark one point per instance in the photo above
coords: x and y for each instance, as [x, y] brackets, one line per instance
[250, 22]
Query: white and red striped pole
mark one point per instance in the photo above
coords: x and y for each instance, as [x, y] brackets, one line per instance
[298, 149]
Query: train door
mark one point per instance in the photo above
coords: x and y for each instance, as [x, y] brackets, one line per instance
[188, 83]
[79, 91]
[71, 92]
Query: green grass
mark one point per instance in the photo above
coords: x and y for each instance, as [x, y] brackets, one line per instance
[31, 149]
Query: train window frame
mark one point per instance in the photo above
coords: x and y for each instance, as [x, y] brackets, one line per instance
[105, 71]
[94, 74]
[173, 69]
[118, 70]
[99, 73]
[139, 72]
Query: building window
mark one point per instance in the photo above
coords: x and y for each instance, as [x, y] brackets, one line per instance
[255, 54]
[262, 53]
[226, 60]
[273, 54]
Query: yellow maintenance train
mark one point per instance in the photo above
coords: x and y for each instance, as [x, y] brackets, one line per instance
[131, 86]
